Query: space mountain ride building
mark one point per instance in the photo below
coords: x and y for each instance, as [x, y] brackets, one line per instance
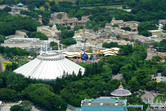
[48, 66]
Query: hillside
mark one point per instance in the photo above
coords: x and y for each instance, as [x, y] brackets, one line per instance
[66, 0]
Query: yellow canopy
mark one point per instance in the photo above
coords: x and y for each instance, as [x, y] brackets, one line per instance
[98, 52]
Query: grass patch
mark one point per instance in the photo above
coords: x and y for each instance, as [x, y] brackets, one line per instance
[5, 63]
[108, 7]
[159, 99]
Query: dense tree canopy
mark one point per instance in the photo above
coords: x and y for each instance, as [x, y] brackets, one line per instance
[54, 45]
[42, 95]
[67, 34]
[97, 2]
[160, 46]
[24, 106]
[8, 94]
[39, 35]
[111, 44]
[7, 9]
[9, 52]
[14, 81]
[2, 38]
[145, 26]
[124, 49]
[68, 41]
[126, 28]
[97, 79]
[9, 24]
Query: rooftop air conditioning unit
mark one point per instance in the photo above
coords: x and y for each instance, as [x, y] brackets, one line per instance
[101, 104]
[89, 104]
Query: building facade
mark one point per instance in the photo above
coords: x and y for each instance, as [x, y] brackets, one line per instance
[66, 21]
[107, 104]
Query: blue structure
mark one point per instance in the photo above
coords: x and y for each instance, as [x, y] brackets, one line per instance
[36, 8]
[20, 4]
[103, 108]
[136, 106]
[103, 104]
[73, 108]
[106, 104]
[82, 48]
[84, 56]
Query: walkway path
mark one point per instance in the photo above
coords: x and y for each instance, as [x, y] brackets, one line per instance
[7, 106]
[1, 64]
[152, 52]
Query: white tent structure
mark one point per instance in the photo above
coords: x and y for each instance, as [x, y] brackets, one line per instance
[49, 66]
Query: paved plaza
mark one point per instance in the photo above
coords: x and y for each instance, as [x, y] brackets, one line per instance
[7, 106]
[152, 52]
[149, 97]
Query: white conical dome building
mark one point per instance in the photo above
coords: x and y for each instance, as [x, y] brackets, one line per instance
[49, 66]
[121, 92]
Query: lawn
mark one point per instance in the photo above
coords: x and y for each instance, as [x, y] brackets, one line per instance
[108, 7]
[5, 63]
[159, 98]
[91, 7]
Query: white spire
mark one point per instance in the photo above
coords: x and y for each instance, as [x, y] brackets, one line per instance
[58, 46]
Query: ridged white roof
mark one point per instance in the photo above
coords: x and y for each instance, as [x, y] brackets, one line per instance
[49, 66]
[121, 92]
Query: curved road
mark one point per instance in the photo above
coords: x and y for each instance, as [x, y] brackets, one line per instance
[1, 64]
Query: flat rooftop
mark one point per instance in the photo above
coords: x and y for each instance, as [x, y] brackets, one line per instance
[104, 101]
[94, 103]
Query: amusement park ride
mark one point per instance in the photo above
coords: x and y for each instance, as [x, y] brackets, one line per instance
[85, 56]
